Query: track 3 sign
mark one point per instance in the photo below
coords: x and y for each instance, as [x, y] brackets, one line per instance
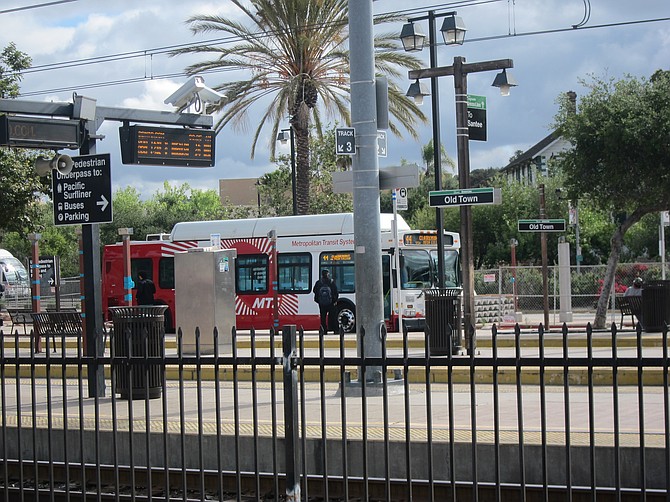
[345, 141]
[85, 194]
[541, 225]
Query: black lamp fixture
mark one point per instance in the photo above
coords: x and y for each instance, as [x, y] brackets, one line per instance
[505, 81]
[453, 30]
[411, 38]
[417, 91]
[283, 137]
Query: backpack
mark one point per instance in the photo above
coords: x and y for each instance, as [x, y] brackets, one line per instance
[325, 295]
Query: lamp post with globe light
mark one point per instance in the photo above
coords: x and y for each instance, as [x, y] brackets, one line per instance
[455, 33]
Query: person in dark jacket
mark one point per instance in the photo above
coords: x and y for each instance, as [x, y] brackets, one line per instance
[325, 295]
[145, 289]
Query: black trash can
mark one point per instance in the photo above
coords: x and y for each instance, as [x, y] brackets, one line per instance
[443, 320]
[655, 305]
[138, 333]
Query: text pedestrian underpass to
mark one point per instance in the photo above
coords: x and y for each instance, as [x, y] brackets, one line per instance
[84, 195]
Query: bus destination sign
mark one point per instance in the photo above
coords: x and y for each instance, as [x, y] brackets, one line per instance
[337, 257]
[167, 146]
[425, 239]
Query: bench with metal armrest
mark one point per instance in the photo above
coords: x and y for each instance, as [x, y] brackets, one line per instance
[632, 306]
[57, 324]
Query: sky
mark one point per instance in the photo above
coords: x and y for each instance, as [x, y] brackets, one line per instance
[616, 38]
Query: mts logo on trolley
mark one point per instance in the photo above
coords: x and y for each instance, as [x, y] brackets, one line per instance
[262, 303]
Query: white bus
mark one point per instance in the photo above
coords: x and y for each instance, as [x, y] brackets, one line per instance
[307, 244]
[13, 277]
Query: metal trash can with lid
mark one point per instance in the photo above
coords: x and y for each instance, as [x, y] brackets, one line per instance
[138, 334]
[443, 320]
[655, 305]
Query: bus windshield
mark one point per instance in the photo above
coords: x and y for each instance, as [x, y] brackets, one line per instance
[451, 276]
[415, 269]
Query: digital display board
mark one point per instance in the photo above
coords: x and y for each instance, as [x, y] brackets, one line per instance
[167, 146]
[425, 239]
[30, 132]
[338, 257]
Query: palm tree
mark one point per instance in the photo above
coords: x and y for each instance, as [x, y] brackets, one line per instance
[295, 51]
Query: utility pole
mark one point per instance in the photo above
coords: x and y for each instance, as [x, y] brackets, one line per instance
[367, 228]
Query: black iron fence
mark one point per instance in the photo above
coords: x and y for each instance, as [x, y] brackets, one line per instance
[571, 415]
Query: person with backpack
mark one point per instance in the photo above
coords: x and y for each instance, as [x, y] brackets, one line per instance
[325, 294]
[146, 289]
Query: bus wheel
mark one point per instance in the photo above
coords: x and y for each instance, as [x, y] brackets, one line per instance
[346, 317]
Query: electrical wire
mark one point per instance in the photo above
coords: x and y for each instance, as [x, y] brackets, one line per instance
[36, 6]
[165, 49]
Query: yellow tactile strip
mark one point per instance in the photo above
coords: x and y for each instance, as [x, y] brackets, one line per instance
[374, 432]
[374, 428]
[553, 376]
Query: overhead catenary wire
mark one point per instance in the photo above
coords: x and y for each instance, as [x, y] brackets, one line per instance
[35, 6]
[166, 49]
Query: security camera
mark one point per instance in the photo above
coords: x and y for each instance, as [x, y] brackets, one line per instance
[193, 90]
[61, 163]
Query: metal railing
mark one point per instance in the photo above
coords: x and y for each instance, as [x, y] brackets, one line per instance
[527, 415]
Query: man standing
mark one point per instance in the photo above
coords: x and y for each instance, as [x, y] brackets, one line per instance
[325, 294]
[145, 289]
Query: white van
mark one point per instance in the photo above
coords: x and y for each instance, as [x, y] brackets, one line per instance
[13, 276]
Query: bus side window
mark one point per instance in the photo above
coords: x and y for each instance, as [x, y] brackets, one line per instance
[166, 272]
[252, 274]
[293, 271]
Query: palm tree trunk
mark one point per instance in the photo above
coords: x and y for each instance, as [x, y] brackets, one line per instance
[302, 168]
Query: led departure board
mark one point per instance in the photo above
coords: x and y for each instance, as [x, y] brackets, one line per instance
[425, 239]
[33, 132]
[167, 146]
[337, 257]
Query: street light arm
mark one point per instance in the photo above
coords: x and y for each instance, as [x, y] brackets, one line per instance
[442, 71]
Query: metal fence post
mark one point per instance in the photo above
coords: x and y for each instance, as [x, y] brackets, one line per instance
[291, 431]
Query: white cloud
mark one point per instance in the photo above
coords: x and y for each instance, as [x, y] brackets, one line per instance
[545, 66]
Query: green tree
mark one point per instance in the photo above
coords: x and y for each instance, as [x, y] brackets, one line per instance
[21, 187]
[275, 187]
[620, 155]
[296, 54]
[12, 62]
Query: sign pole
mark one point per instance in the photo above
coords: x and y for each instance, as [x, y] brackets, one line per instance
[545, 268]
[92, 321]
[396, 260]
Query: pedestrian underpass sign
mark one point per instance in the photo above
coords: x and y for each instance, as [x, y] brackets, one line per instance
[85, 194]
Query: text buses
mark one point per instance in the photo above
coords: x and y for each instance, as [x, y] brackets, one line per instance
[304, 245]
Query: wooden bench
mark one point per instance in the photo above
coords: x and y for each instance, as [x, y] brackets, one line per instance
[20, 317]
[632, 306]
[56, 324]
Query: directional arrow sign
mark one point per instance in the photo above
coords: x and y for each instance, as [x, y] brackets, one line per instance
[464, 197]
[84, 195]
[541, 225]
[345, 141]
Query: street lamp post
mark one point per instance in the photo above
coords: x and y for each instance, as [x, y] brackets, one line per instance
[460, 70]
[453, 32]
[284, 136]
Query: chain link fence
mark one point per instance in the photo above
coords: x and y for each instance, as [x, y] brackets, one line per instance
[521, 286]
